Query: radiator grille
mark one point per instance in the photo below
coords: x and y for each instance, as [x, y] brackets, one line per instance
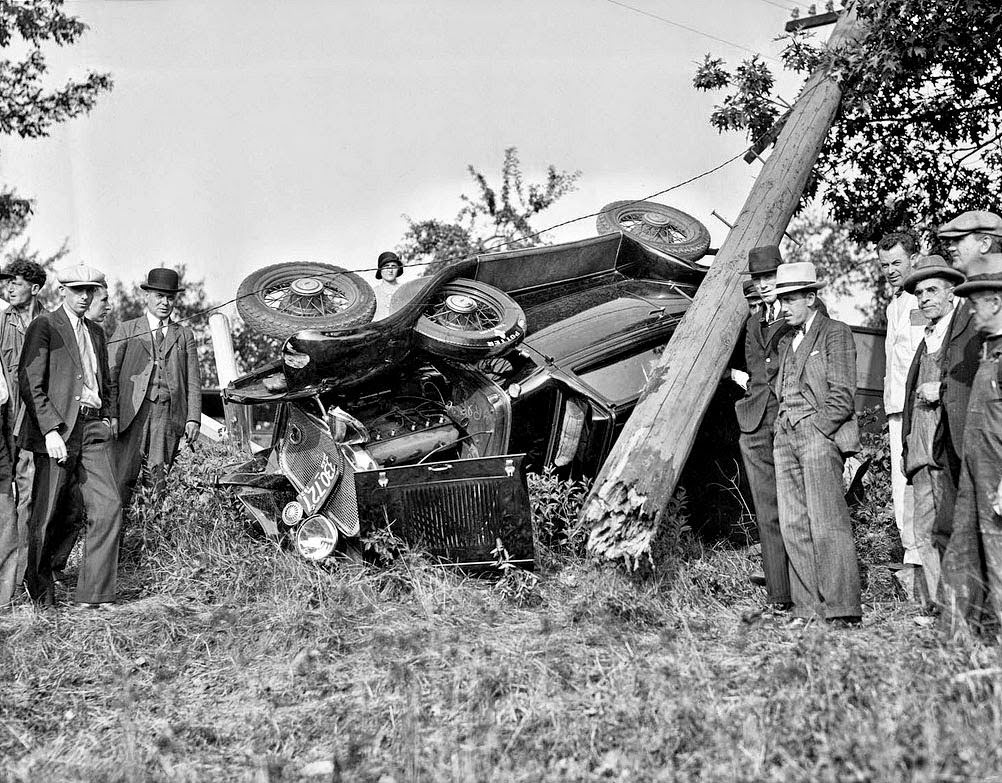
[300, 461]
[341, 506]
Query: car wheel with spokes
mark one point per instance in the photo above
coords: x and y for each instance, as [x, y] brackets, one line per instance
[282, 299]
[467, 320]
[657, 225]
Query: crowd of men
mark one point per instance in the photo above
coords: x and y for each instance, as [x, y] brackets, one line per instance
[944, 413]
[80, 415]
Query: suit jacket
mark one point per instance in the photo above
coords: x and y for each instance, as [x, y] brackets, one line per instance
[762, 360]
[961, 355]
[825, 366]
[50, 377]
[132, 359]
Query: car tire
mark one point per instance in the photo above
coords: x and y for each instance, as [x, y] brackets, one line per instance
[282, 299]
[658, 225]
[467, 320]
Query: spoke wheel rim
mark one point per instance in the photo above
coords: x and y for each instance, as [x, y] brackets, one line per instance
[465, 313]
[648, 225]
[306, 297]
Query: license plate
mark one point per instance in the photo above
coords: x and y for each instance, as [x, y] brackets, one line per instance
[315, 493]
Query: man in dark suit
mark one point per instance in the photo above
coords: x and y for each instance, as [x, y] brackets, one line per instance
[155, 364]
[815, 429]
[756, 414]
[70, 402]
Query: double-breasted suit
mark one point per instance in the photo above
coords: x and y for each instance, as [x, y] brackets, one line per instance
[151, 424]
[51, 379]
[815, 429]
[756, 415]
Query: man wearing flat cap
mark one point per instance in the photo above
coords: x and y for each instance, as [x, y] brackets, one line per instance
[974, 240]
[389, 268]
[973, 558]
[924, 456]
[155, 363]
[70, 401]
[815, 430]
[756, 415]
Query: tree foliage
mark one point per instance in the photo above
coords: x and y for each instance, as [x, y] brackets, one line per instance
[492, 219]
[917, 139]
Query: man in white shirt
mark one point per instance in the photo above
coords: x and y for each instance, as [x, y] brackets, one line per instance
[923, 433]
[905, 330]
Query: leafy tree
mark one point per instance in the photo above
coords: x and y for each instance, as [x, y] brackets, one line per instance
[918, 136]
[29, 108]
[493, 219]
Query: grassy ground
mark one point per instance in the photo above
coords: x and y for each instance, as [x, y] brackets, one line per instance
[232, 660]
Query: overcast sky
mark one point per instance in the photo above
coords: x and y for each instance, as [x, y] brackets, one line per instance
[246, 132]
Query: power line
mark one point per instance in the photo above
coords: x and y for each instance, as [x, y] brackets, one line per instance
[690, 29]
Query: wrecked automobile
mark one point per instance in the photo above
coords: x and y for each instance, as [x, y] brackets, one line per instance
[426, 421]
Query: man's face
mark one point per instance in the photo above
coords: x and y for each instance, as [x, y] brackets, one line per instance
[391, 272]
[935, 297]
[77, 298]
[967, 249]
[99, 306]
[160, 304]
[987, 306]
[20, 292]
[796, 306]
[766, 286]
[895, 263]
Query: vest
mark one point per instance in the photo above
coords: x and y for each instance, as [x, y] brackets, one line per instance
[925, 418]
[157, 391]
[794, 406]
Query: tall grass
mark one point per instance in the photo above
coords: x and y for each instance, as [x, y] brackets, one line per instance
[231, 659]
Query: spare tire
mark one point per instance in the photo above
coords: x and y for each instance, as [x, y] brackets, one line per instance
[282, 299]
[467, 321]
[658, 225]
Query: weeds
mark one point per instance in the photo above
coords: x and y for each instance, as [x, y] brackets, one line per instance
[233, 660]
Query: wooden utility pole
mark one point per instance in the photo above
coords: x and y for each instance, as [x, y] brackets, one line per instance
[637, 480]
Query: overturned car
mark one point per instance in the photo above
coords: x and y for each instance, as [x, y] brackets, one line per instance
[426, 421]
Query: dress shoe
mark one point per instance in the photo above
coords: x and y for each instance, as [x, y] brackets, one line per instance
[757, 579]
[89, 606]
[849, 621]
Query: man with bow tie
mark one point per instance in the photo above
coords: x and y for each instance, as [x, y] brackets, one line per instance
[896, 253]
[815, 430]
[155, 363]
[756, 413]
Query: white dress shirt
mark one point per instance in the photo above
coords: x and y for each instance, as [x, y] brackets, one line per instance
[801, 332]
[935, 333]
[156, 323]
[90, 394]
[905, 331]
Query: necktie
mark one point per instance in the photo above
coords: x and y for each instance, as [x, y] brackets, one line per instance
[798, 336]
[159, 336]
[87, 359]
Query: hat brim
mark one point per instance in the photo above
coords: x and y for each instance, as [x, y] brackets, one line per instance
[83, 284]
[160, 290]
[779, 290]
[966, 289]
[956, 233]
[915, 278]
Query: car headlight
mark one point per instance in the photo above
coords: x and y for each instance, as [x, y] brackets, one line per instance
[316, 538]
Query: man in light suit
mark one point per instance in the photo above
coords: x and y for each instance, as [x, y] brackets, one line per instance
[756, 415]
[815, 429]
[155, 363]
[70, 402]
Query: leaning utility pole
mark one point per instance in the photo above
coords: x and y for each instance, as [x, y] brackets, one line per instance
[637, 480]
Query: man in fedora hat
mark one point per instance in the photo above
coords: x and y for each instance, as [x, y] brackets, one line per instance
[815, 429]
[974, 241]
[931, 281]
[973, 556]
[70, 403]
[155, 363]
[896, 253]
[388, 271]
[756, 415]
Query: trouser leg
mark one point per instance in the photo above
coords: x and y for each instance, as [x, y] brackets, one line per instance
[97, 580]
[830, 526]
[757, 454]
[962, 586]
[129, 453]
[794, 523]
[901, 493]
[10, 543]
[933, 490]
[24, 482]
[71, 515]
[50, 478]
